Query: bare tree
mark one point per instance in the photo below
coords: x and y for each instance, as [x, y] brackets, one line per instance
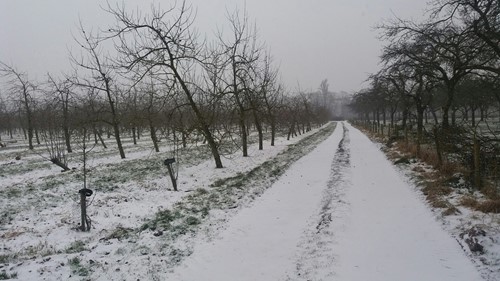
[89, 114]
[444, 52]
[323, 89]
[23, 88]
[101, 78]
[164, 43]
[52, 135]
[155, 103]
[133, 118]
[242, 55]
[480, 19]
[273, 102]
[63, 92]
[5, 119]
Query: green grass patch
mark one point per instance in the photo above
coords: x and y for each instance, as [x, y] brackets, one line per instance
[75, 247]
[163, 218]
[120, 233]
[77, 268]
[4, 259]
[6, 276]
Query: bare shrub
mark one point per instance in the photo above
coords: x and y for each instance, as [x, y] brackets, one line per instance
[448, 169]
[490, 190]
[434, 192]
[436, 188]
[469, 202]
[429, 156]
[451, 210]
[490, 206]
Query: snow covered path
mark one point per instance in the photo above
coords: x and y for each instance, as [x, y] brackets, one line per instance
[341, 212]
[390, 233]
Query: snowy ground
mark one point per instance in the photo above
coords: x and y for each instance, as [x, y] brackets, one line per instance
[133, 205]
[341, 212]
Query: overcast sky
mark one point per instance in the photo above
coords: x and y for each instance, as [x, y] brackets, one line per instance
[311, 40]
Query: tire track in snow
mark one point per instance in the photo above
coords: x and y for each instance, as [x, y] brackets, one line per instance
[316, 249]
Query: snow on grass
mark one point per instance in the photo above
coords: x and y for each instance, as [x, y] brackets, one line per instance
[260, 242]
[137, 223]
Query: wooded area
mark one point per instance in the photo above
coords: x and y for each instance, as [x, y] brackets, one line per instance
[152, 74]
[439, 85]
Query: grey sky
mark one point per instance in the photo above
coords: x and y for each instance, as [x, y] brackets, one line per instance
[311, 40]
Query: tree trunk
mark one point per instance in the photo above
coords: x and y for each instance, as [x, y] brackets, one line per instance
[115, 122]
[67, 139]
[184, 138]
[404, 117]
[116, 129]
[291, 130]
[453, 116]
[273, 132]
[244, 136]
[204, 128]
[420, 127]
[258, 126]
[448, 104]
[434, 116]
[205, 131]
[58, 162]
[30, 136]
[438, 147]
[134, 136]
[99, 136]
[67, 136]
[29, 118]
[153, 136]
[241, 120]
[473, 117]
[37, 136]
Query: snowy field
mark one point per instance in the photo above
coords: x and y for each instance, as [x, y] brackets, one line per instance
[136, 217]
[326, 205]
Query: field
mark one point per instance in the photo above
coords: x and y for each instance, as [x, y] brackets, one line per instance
[135, 215]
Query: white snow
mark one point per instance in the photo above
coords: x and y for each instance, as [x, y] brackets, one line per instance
[391, 234]
[342, 212]
[387, 234]
[260, 242]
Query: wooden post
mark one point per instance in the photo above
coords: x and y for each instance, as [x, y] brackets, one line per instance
[84, 193]
[172, 177]
[168, 162]
[83, 206]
